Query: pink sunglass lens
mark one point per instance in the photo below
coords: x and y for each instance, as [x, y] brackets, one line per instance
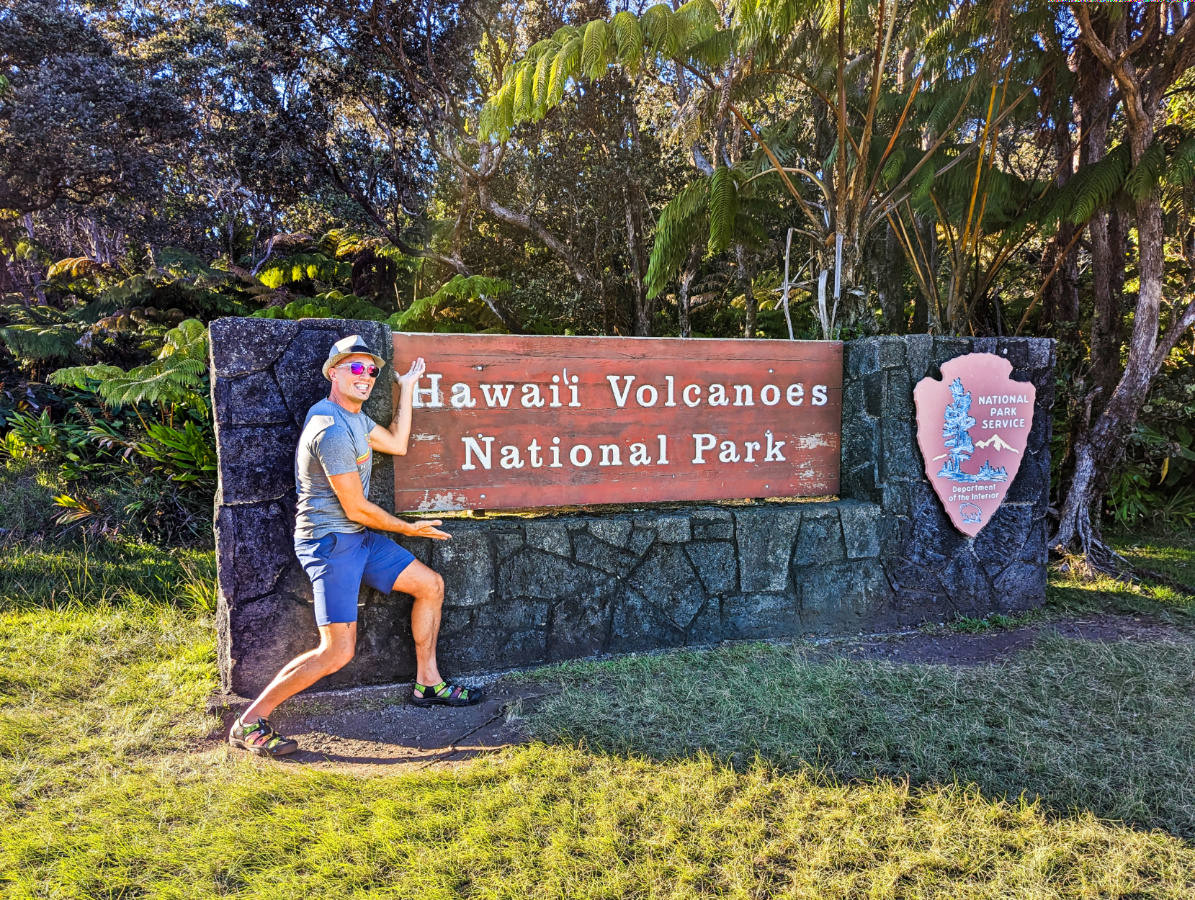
[357, 368]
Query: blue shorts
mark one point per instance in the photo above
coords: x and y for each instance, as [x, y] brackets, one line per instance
[337, 564]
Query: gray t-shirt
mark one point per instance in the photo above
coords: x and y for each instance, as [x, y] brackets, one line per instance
[334, 441]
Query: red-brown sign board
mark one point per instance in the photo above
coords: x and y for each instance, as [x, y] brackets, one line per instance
[506, 422]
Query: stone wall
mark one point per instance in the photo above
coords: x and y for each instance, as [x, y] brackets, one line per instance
[522, 591]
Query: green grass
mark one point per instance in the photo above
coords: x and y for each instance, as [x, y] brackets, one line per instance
[105, 573]
[840, 780]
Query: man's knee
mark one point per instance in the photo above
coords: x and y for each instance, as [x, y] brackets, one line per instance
[436, 587]
[337, 647]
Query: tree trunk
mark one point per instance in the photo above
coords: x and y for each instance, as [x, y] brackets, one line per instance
[744, 276]
[1101, 449]
[1107, 282]
[889, 285]
[683, 288]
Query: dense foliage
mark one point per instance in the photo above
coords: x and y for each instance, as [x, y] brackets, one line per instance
[767, 168]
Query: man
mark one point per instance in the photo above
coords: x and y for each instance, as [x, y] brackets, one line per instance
[332, 469]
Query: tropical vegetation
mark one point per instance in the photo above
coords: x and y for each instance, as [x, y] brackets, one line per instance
[782, 169]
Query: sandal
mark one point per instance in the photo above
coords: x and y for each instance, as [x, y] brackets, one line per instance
[445, 694]
[260, 738]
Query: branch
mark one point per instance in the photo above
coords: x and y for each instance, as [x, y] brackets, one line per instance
[1172, 334]
[525, 222]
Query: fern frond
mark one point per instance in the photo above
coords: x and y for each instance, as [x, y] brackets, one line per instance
[593, 54]
[1099, 183]
[723, 206]
[657, 27]
[680, 227]
[1181, 165]
[628, 40]
[1147, 172]
[73, 268]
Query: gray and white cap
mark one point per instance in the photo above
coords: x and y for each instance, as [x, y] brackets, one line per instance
[346, 347]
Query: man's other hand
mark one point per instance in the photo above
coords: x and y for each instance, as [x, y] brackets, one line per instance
[418, 367]
[426, 528]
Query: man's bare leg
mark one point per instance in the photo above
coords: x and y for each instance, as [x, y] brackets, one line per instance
[427, 587]
[337, 644]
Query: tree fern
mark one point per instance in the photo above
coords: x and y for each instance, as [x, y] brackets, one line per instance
[175, 378]
[628, 40]
[329, 305]
[303, 267]
[1180, 168]
[423, 313]
[41, 333]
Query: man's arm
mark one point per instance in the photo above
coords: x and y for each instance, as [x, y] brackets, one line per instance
[347, 488]
[393, 440]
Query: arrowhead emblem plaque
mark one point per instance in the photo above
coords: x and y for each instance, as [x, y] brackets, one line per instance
[973, 426]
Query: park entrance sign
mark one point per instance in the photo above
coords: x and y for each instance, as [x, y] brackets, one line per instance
[506, 422]
[578, 577]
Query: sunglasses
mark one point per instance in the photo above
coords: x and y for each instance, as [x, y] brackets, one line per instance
[359, 367]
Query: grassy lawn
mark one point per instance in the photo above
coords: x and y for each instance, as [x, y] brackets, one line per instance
[749, 771]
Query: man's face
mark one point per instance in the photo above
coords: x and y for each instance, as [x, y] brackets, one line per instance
[358, 387]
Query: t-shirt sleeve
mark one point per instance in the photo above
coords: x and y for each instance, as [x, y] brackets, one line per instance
[334, 448]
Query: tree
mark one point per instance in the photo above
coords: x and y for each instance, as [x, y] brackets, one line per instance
[75, 128]
[1152, 46]
[758, 73]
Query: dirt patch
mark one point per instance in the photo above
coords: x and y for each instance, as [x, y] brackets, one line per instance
[375, 730]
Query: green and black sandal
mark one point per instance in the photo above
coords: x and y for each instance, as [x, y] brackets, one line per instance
[260, 738]
[445, 694]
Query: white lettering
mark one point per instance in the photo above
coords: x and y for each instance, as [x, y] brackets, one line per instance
[572, 455]
[610, 455]
[663, 449]
[741, 390]
[462, 397]
[556, 463]
[639, 455]
[472, 447]
[795, 394]
[718, 396]
[774, 446]
[510, 458]
[497, 394]
[620, 399]
[639, 395]
[432, 393]
[531, 397]
[670, 401]
[555, 389]
[704, 442]
[775, 394]
[730, 452]
[751, 446]
[696, 389]
[819, 395]
[533, 449]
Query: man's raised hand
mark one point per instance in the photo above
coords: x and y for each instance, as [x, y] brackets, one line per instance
[418, 367]
[426, 528]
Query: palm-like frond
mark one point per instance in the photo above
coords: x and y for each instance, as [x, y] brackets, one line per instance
[174, 378]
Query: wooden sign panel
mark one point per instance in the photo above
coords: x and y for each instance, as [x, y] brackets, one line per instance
[505, 422]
